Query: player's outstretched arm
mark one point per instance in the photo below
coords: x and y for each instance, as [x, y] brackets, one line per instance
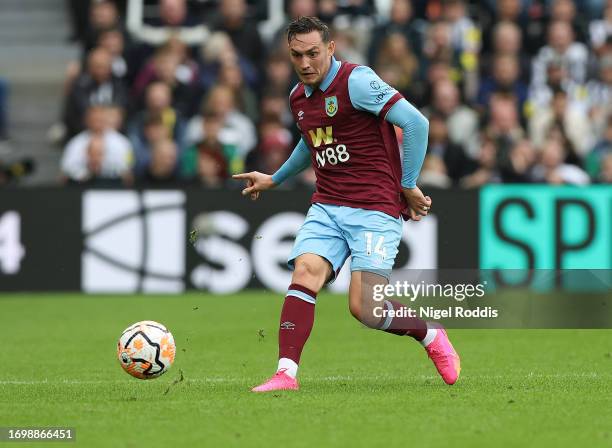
[257, 182]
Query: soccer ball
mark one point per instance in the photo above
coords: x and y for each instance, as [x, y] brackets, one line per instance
[146, 349]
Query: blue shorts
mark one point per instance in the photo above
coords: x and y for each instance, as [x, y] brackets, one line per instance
[334, 232]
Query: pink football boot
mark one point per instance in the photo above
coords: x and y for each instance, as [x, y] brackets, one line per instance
[280, 381]
[444, 357]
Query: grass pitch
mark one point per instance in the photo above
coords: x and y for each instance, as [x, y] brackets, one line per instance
[358, 387]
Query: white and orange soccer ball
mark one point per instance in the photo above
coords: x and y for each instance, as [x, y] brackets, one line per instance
[146, 349]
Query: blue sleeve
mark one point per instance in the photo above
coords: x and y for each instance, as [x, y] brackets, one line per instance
[367, 91]
[297, 162]
[415, 128]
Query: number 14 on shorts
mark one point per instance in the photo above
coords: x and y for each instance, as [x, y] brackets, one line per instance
[379, 249]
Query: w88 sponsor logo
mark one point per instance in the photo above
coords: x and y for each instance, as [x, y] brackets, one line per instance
[332, 155]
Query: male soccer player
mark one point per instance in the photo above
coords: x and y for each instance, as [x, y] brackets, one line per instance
[346, 113]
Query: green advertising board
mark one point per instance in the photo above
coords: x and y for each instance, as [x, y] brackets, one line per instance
[544, 228]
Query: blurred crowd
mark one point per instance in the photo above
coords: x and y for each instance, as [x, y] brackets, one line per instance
[178, 91]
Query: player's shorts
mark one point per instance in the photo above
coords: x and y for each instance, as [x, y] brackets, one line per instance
[334, 232]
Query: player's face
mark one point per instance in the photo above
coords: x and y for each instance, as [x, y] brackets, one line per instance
[311, 57]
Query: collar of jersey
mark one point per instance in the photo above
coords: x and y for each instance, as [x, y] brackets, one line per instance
[331, 74]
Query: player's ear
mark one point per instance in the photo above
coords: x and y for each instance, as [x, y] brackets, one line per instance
[331, 47]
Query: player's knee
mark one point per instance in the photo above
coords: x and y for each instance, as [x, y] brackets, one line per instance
[309, 274]
[363, 312]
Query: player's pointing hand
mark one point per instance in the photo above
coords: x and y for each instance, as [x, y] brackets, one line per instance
[256, 182]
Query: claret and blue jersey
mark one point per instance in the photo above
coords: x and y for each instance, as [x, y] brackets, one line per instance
[349, 139]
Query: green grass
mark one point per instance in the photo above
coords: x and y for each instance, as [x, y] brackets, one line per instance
[358, 387]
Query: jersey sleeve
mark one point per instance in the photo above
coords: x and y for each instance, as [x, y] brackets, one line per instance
[369, 93]
[415, 130]
[297, 162]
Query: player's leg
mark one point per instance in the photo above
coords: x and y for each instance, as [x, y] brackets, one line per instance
[365, 306]
[374, 239]
[297, 316]
[318, 254]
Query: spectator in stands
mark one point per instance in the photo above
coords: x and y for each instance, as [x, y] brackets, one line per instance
[212, 148]
[487, 170]
[465, 41]
[454, 160]
[600, 31]
[111, 40]
[211, 169]
[97, 153]
[438, 43]
[173, 21]
[438, 63]
[115, 117]
[301, 8]
[230, 75]
[188, 70]
[162, 168]
[599, 91]
[158, 106]
[97, 85]
[103, 15]
[462, 121]
[346, 48]
[504, 78]
[154, 130]
[605, 174]
[295, 9]
[575, 126]
[165, 68]
[275, 104]
[507, 41]
[354, 15]
[503, 124]
[561, 46]
[278, 75]
[236, 130]
[531, 18]
[518, 167]
[275, 145]
[234, 21]
[601, 151]
[465, 35]
[552, 170]
[328, 10]
[437, 70]
[497, 12]
[395, 55]
[219, 50]
[400, 20]
[565, 11]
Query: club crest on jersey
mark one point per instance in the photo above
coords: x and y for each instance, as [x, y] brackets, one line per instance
[331, 105]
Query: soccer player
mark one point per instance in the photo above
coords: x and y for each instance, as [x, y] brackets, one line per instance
[346, 113]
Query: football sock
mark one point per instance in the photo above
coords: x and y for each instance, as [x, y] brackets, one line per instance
[297, 319]
[403, 325]
[429, 337]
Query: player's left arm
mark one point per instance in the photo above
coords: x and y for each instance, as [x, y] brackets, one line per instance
[415, 128]
[371, 94]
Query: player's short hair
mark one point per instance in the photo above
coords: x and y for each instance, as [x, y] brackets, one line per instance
[305, 25]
